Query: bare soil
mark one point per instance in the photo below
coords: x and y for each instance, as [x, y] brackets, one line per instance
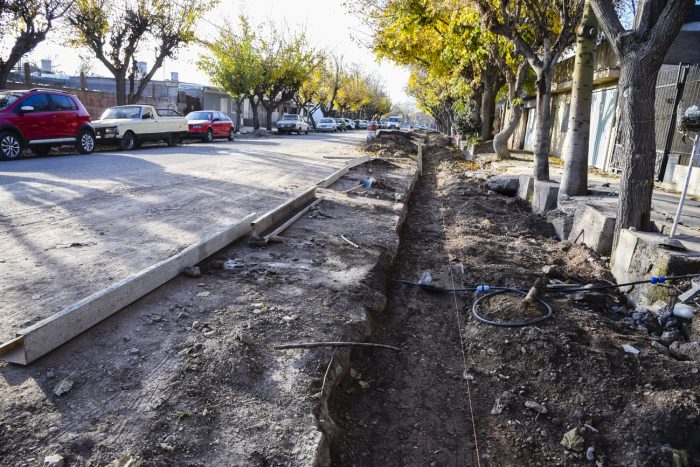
[415, 407]
[188, 375]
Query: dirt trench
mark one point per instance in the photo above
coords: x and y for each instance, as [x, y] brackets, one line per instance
[414, 410]
[528, 386]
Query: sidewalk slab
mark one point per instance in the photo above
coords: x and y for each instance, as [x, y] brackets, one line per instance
[594, 225]
[545, 196]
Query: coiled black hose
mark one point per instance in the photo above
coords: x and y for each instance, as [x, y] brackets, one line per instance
[502, 324]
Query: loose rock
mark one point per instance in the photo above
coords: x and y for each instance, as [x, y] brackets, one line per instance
[193, 271]
[535, 406]
[54, 460]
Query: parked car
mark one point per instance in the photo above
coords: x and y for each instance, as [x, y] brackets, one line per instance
[394, 123]
[131, 125]
[327, 124]
[292, 123]
[209, 124]
[342, 125]
[350, 123]
[361, 124]
[382, 124]
[42, 119]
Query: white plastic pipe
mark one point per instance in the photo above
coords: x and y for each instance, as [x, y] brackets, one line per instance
[696, 150]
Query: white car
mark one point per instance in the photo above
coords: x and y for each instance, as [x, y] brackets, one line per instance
[292, 123]
[350, 123]
[362, 124]
[394, 123]
[327, 124]
[131, 125]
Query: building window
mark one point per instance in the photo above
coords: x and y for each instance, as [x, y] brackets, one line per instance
[223, 105]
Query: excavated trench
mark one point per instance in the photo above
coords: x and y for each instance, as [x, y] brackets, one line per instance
[529, 388]
[409, 407]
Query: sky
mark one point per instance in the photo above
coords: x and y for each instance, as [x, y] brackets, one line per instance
[327, 22]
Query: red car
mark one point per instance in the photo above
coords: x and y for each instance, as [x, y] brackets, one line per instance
[209, 124]
[41, 119]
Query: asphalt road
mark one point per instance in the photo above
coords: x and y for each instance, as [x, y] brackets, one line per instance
[72, 225]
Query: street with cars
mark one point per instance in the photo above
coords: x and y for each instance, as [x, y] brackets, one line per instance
[42, 120]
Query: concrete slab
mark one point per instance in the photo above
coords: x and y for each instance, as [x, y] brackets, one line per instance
[638, 256]
[335, 176]
[594, 226]
[562, 222]
[679, 174]
[281, 213]
[526, 187]
[545, 196]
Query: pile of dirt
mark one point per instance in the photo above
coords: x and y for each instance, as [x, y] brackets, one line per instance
[461, 388]
[391, 145]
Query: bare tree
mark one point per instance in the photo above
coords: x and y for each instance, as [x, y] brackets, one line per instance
[29, 21]
[114, 31]
[540, 32]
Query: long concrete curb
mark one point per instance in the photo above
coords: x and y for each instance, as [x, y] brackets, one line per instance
[282, 212]
[48, 334]
[335, 176]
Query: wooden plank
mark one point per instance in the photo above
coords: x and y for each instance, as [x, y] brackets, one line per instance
[48, 334]
[267, 221]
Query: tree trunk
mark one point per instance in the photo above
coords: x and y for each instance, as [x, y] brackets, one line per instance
[477, 107]
[488, 106]
[120, 81]
[5, 71]
[239, 113]
[636, 95]
[254, 107]
[500, 141]
[574, 180]
[268, 113]
[542, 127]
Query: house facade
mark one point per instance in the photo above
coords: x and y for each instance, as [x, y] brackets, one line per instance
[678, 87]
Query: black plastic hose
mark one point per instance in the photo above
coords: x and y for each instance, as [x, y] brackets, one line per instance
[502, 324]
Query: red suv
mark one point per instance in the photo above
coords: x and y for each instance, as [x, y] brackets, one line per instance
[41, 119]
[209, 124]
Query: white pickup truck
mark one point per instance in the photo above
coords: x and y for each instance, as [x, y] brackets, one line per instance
[130, 125]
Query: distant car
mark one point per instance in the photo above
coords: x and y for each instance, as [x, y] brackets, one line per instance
[209, 124]
[350, 123]
[382, 124]
[292, 123]
[41, 120]
[394, 123]
[342, 124]
[361, 124]
[327, 124]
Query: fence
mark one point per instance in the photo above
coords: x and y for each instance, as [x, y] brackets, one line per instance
[671, 82]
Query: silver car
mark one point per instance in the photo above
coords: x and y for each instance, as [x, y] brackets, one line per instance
[327, 124]
[292, 123]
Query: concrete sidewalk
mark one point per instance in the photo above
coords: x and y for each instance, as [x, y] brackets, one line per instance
[664, 203]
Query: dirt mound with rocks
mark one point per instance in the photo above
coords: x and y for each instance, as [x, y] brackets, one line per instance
[587, 387]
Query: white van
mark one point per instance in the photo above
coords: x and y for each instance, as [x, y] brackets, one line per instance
[394, 123]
